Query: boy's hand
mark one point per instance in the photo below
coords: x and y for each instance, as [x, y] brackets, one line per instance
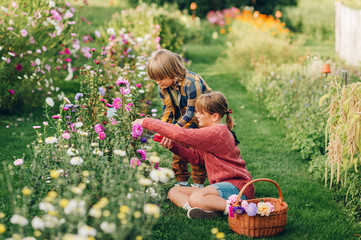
[166, 142]
[138, 121]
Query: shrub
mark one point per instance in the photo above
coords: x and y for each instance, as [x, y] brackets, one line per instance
[31, 36]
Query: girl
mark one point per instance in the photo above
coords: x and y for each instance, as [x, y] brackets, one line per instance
[214, 145]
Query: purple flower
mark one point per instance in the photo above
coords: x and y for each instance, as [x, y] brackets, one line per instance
[117, 103]
[238, 210]
[137, 130]
[231, 211]
[11, 91]
[251, 209]
[78, 95]
[143, 153]
[68, 105]
[102, 91]
[143, 139]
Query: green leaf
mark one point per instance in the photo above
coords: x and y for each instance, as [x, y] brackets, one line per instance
[323, 99]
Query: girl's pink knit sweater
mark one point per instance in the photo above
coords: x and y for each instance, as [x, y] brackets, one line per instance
[213, 146]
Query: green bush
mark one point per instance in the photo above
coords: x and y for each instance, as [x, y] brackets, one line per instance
[167, 26]
[31, 35]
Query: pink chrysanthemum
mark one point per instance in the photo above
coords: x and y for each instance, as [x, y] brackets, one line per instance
[137, 130]
[117, 103]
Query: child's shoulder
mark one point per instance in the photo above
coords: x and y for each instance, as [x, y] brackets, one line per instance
[191, 77]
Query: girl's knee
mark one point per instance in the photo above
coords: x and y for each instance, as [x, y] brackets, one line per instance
[196, 200]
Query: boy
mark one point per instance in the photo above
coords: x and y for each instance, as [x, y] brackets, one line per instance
[178, 89]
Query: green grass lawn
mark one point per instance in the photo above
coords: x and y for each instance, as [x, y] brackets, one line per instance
[312, 215]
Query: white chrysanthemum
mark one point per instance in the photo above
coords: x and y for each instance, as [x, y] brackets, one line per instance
[152, 193]
[18, 219]
[82, 133]
[98, 152]
[51, 4]
[76, 161]
[151, 209]
[72, 152]
[161, 175]
[46, 207]
[51, 140]
[107, 227]
[95, 212]
[145, 181]
[94, 144]
[78, 124]
[49, 101]
[85, 230]
[76, 207]
[120, 153]
[51, 221]
[111, 31]
[154, 159]
[37, 223]
[29, 238]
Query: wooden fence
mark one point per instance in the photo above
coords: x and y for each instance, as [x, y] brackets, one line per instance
[348, 34]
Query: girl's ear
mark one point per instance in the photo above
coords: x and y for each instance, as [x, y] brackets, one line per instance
[215, 117]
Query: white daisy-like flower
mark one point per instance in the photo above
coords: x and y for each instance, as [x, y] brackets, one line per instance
[37, 223]
[51, 140]
[145, 181]
[76, 161]
[120, 153]
[107, 227]
[72, 152]
[18, 219]
[49, 101]
[151, 209]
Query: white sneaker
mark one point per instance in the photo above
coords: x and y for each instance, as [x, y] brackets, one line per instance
[198, 185]
[179, 184]
[198, 213]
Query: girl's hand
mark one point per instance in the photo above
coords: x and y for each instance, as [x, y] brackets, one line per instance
[166, 142]
[138, 121]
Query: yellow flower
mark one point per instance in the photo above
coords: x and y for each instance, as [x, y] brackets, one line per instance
[37, 233]
[138, 237]
[137, 214]
[2, 228]
[82, 186]
[222, 31]
[214, 230]
[26, 191]
[91, 238]
[2, 215]
[124, 209]
[54, 174]
[106, 213]
[53, 213]
[220, 235]
[101, 203]
[52, 194]
[86, 173]
[63, 202]
[121, 216]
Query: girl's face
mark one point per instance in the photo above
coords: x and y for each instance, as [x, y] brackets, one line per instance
[164, 83]
[204, 119]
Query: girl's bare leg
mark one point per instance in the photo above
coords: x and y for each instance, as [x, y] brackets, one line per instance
[179, 195]
[208, 199]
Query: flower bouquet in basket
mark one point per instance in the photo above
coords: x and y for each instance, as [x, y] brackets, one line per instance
[258, 217]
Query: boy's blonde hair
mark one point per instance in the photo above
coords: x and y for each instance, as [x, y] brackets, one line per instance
[215, 102]
[166, 64]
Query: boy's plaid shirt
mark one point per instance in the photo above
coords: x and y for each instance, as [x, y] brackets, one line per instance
[189, 89]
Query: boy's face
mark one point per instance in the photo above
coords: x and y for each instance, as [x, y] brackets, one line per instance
[164, 83]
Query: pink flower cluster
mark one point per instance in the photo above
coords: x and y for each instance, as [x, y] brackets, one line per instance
[137, 130]
[100, 130]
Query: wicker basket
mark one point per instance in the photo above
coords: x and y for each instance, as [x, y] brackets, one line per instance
[260, 226]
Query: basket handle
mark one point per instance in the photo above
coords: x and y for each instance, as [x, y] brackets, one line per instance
[258, 180]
